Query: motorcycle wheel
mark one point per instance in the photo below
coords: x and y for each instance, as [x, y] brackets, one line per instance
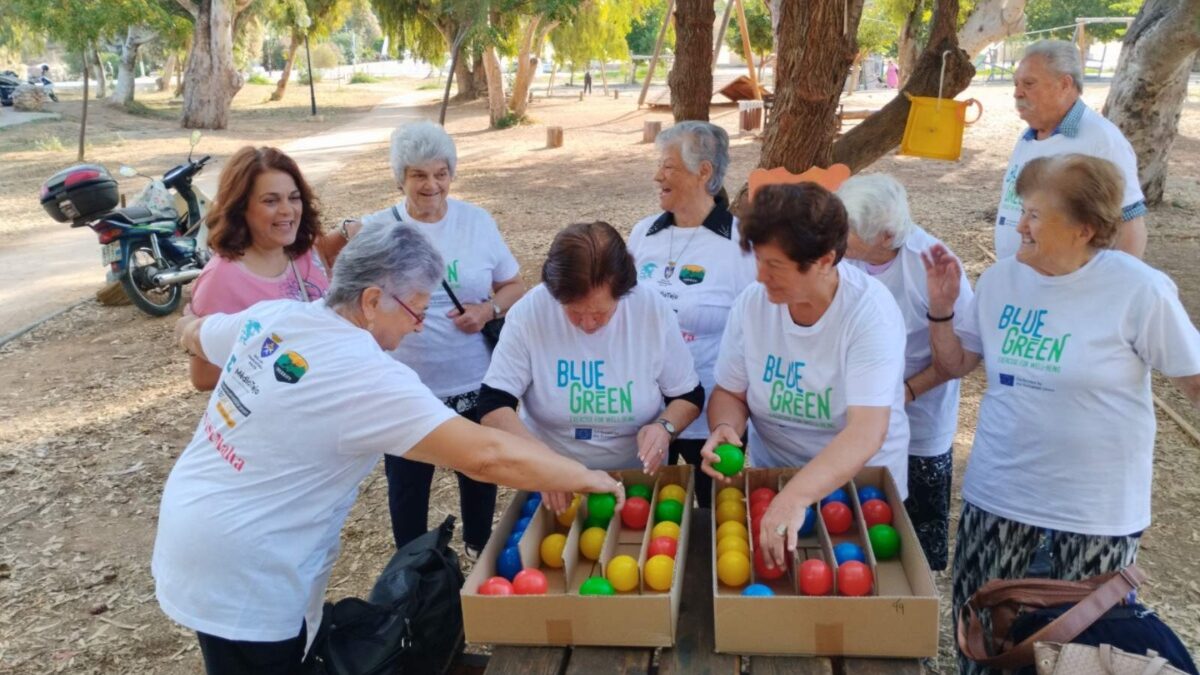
[149, 297]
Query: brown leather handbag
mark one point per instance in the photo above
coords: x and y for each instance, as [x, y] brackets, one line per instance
[1072, 659]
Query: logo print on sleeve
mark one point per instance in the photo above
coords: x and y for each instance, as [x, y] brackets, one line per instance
[790, 400]
[290, 367]
[249, 330]
[590, 400]
[647, 271]
[269, 345]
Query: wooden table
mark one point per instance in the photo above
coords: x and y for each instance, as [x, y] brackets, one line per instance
[693, 652]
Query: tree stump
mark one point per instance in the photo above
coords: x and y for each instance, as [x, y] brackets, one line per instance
[616, 94]
[28, 98]
[581, 97]
[650, 131]
[554, 137]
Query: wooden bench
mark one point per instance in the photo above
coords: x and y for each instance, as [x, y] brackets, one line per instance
[693, 652]
[852, 114]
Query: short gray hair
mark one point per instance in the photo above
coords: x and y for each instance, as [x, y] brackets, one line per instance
[699, 142]
[876, 204]
[420, 142]
[396, 257]
[1061, 57]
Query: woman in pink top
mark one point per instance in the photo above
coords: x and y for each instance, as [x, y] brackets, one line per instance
[262, 227]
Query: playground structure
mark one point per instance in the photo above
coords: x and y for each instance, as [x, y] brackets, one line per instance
[1000, 60]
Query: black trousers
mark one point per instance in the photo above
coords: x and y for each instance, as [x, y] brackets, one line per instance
[689, 449]
[240, 657]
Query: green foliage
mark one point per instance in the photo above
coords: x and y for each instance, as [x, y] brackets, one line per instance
[325, 55]
[511, 119]
[643, 32]
[363, 77]
[259, 78]
[597, 31]
[877, 34]
[304, 77]
[1046, 14]
[761, 39]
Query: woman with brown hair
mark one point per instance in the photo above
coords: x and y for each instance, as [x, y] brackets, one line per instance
[262, 227]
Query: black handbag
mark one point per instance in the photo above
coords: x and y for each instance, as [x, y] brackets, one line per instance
[490, 331]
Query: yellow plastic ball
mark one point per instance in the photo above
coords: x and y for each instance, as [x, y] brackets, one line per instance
[552, 550]
[672, 492]
[732, 543]
[591, 541]
[730, 493]
[665, 529]
[622, 573]
[659, 572]
[567, 517]
[732, 528]
[733, 568]
[731, 510]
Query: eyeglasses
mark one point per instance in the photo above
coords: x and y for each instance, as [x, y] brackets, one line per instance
[419, 318]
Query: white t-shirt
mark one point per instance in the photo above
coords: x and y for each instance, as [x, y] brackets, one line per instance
[250, 516]
[449, 361]
[710, 271]
[1065, 438]
[584, 395]
[933, 416]
[799, 380]
[1083, 131]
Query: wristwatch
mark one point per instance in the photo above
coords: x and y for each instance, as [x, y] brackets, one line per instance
[666, 424]
[496, 311]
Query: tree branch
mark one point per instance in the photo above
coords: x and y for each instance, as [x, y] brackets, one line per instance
[189, 6]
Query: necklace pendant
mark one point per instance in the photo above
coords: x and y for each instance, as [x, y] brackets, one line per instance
[669, 270]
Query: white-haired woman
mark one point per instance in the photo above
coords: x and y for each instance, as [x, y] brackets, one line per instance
[307, 401]
[689, 253]
[451, 355]
[886, 244]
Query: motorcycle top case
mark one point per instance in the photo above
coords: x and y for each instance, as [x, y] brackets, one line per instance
[79, 193]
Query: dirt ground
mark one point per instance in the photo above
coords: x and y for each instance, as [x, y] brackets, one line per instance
[96, 406]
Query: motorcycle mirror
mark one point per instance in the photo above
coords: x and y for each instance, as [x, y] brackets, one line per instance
[127, 171]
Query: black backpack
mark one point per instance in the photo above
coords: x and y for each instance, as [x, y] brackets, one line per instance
[412, 621]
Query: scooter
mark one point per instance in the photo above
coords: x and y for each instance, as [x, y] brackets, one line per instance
[154, 247]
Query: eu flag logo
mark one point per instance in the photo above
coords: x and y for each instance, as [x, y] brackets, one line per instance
[1007, 380]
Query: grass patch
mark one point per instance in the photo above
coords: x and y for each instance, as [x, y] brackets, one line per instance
[512, 119]
[428, 86]
[364, 78]
[49, 143]
[142, 110]
[259, 78]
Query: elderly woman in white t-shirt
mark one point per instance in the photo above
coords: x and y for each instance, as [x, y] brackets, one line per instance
[814, 356]
[689, 253]
[886, 244]
[307, 401]
[595, 359]
[1059, 480]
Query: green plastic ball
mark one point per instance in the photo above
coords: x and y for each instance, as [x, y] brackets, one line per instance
[600, 507]
[596, 586]
[885, 541]
[732, 459]
[593, 521]
[638, 490]
[669, 509]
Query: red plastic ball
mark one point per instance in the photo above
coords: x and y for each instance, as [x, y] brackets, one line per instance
[762, 494]
[837, 517]
[636, 513]
[877, 512]
[764, 573]
[496, 586]
[854, 578]
[757, 509]
[530, 581]
[815, 577]
[662, 546]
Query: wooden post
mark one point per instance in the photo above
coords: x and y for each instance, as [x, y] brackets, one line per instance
[1081, 45]
[616, 94]
[662, 34]
[581, 96]
[554, 137]
[745, 31]
[650, 131]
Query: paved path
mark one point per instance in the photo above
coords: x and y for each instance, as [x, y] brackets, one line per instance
[56, 266]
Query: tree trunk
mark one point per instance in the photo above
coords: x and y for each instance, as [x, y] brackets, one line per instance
[83, 117]
[479, 74]
[212, 79]
[690, 80]
[856, 71]
[907, 46]
[168, 70]
[101, 76]
[531, 45]
[815, 46]
[553, 72]
[990, 21]
[604, 76]
[123, 91]
[286, 73]
[1150, 85]
[465, 75]
[181, 68]
[495, 80]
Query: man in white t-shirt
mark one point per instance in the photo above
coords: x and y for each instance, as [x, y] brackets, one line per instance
[1049, 88]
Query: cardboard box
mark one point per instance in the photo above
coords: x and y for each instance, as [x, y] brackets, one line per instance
[640, 618]
[898, 619]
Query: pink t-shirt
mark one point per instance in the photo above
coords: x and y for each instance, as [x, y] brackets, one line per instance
[227, 287]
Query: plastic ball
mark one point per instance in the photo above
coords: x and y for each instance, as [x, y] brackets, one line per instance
[622, 573]
[638, 490]
[495, 586]
[837, 517]
[552, 550]
[601, 506]
[730, 510]
[730, 460]
[669, 510]
[846, 551]
[757, 509]
[659, 572]
[674, 492]
[838, 495]
[876, 512]
[667, 546]
[854, 579]
[591, 541]
[530, 506]
[758, 590]
[665, 529]
[730, 493]
[733, 544]
[522, 524]
[762, 571]
[732, 527]
[509, 563]
[885, 541]
[733, 568]
[815, 577]
[593, 521]
[596, 586]
[514, 538]
[530, 582]
[810, 521]
[868, 492]
[567, 517]
[762, 494]
[636, 513]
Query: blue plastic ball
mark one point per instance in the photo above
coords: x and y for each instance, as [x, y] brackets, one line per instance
[530, 507]
[838, 495]
[868, 492]
[514, 539]
[810, 521]
[758, 590]
[848, 551]
[522, 524]
[509, 563]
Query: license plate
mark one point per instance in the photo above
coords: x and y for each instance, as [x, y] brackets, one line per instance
[111, 252]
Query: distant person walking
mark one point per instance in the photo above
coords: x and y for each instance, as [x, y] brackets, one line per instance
[893, 75]
[587, 82]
